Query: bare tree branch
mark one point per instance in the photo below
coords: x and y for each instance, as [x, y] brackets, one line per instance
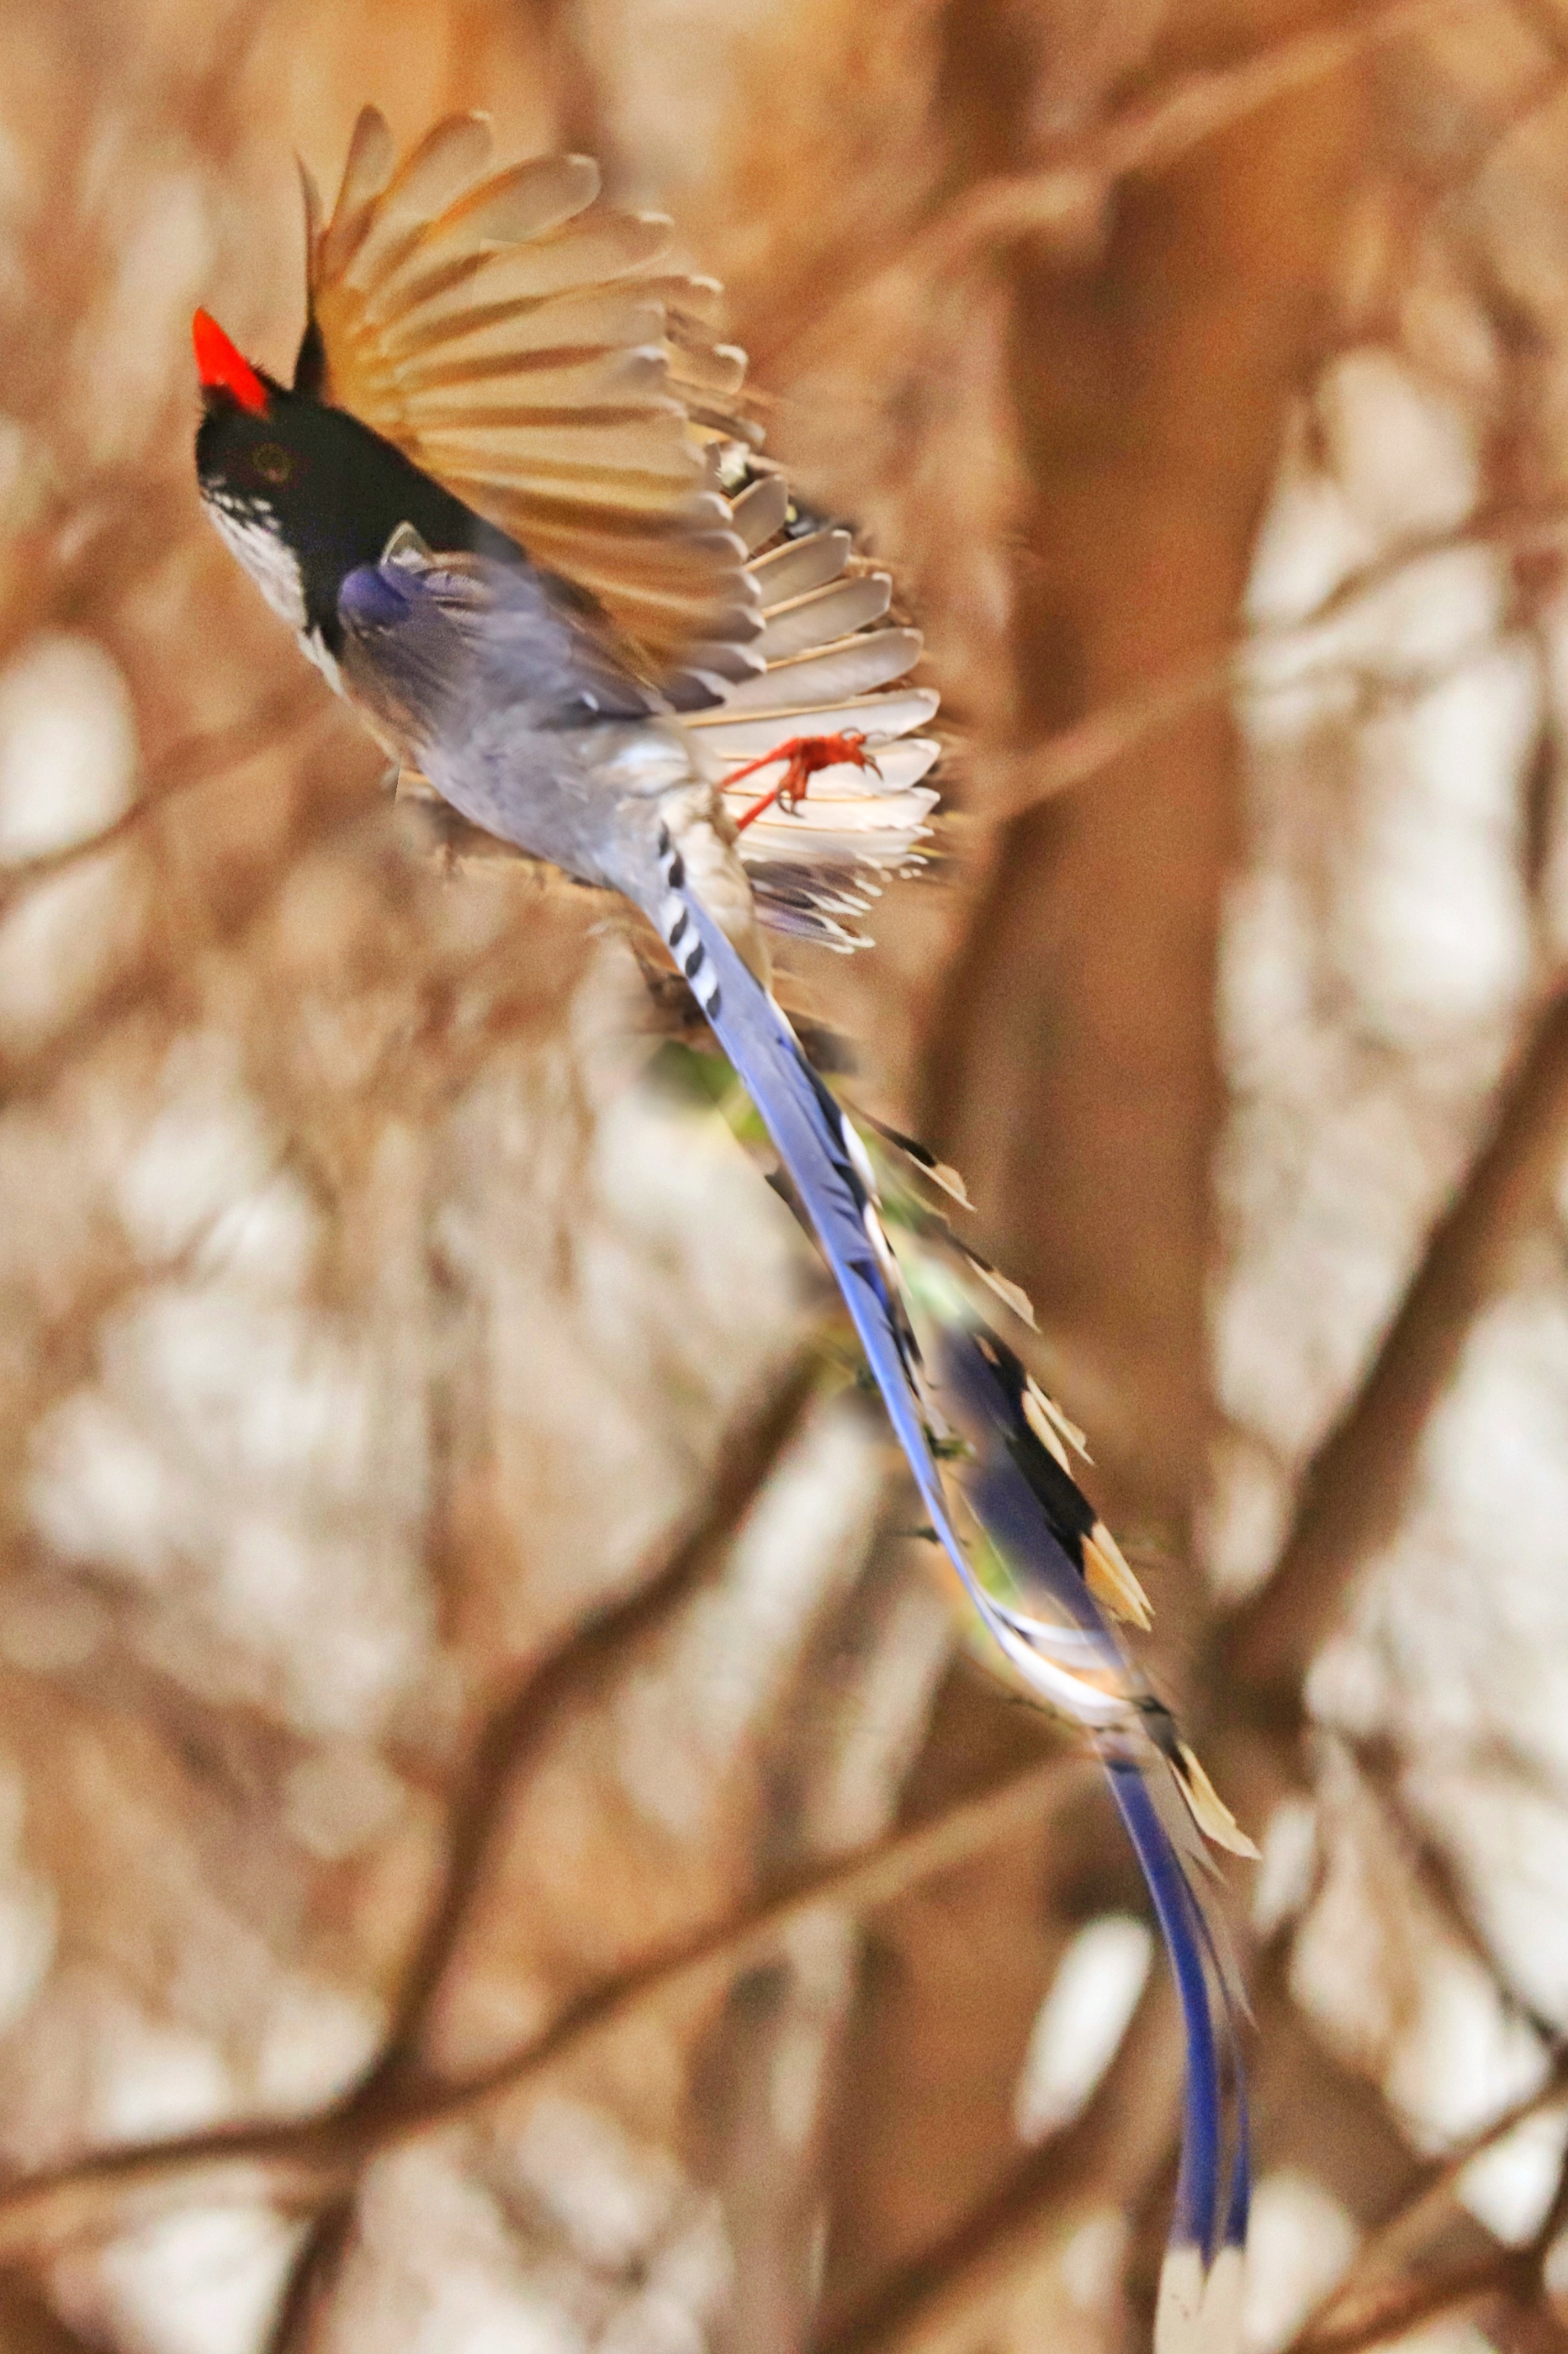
[1409, 2304]
[1017, 780]
[1398, 2241]
[197, 760]
[1147, 136]
[302, 2165]
[1356, 1486]
[1109, 2156]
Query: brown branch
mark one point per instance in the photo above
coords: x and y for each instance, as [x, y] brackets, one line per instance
[1033, 774]
[1147, 136]
[1400, 2238]
[303, 2164]
[747, 1460]
[1153, 133]
[312, 2278]
[194, 760]
[1110, 2156]
[1356, 1486]
[1408, 2303]
[29, 2325]
[1441, 1878]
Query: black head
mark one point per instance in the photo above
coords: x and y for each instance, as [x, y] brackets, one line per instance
[305, 493]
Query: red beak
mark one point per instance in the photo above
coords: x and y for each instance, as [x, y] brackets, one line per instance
[222, 367]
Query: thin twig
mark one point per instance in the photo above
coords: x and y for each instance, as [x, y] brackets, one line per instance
[1108, 2156]
[1408, 2303]
[476, 1819]
[1355, 1489]
[1438, 1876]
[1019, 779]
[194, 760]
[302, 2165]
[1417, 2220]
[1147, 136]
[745, 1463]
[1153, 133]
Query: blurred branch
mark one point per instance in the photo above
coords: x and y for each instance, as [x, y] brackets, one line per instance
[1378, 2310]
[1356, 1486]
[195, 760]
[1156, 132]
[312, 2278]
[30, 2326]
[1408, 2303]
[747, 1461]
[322, 820]
[1107, 2158]
[1146, 137]
[1094, 742]
[301, 2165]
[1440, 1879]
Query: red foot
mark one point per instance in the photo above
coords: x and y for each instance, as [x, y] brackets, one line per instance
[804, 756]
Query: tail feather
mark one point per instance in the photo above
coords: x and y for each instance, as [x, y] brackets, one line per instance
[1042, 1547]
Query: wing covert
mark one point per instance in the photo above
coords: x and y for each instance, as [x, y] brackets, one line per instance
[520, 343]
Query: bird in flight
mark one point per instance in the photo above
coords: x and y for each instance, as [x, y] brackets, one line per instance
[512, 509]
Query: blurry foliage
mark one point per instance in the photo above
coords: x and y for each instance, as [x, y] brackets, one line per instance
[497, 1845]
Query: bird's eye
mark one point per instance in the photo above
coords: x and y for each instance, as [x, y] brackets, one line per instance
[272, 462]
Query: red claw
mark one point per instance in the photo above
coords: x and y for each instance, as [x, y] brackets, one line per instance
[804, 756]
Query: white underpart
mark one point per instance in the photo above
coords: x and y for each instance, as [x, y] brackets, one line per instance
[315, 648]
[266, 555]
[273, 567]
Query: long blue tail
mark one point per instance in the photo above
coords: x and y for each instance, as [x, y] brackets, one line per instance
[1042, 1530]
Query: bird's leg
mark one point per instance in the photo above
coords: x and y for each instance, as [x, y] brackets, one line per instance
[802, 756]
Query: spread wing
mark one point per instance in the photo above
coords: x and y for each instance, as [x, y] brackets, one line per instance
[519, 342]
[526, 346]
[834, 665]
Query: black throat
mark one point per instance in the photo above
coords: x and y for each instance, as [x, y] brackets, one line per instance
[334, 492]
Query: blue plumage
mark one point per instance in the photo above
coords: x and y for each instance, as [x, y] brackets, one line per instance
[1080, 1666]
[516, 694]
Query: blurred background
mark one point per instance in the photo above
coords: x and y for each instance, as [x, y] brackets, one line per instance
[503, 1847]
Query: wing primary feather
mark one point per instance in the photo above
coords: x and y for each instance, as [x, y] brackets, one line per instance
[800, 564]
[524, 201]
[448, 159]
[367, 168]
[760, 510]
[534, 353]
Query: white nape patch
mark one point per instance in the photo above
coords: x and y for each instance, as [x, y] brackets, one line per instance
[1081, 2022]
[252, 534]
